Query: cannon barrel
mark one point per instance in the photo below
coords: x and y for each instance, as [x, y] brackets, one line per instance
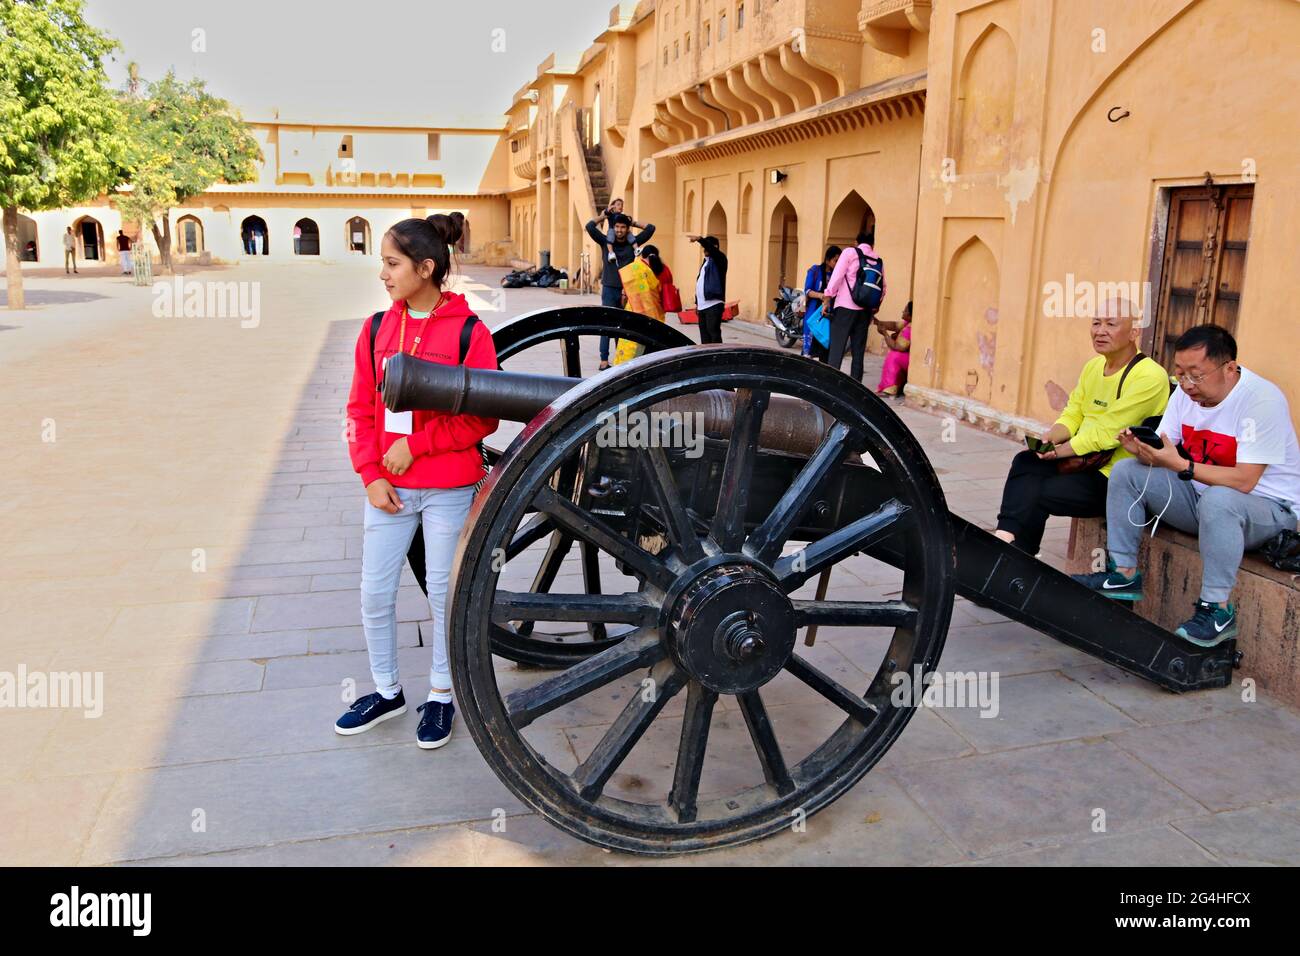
[789, 425]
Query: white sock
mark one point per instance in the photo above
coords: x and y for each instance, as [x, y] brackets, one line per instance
[443, 698]
[389, 692]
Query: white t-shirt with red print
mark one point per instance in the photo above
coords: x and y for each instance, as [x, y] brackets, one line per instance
[1252, 426]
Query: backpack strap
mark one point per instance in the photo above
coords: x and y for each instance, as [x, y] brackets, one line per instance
[467, 333]
[1119, 389]
[375, 321]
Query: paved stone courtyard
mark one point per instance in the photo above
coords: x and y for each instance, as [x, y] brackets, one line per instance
[221, 681]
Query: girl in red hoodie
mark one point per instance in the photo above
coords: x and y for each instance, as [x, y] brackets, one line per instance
[419, 468]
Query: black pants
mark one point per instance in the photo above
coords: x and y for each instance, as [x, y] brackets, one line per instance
[711, 324]
[1035, 489]
[849, 327]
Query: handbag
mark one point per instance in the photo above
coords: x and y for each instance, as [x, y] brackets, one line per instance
[1283, 551]
[819, 325]
[672, 298]
[1097, 459]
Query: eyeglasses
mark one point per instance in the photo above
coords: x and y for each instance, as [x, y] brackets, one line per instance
[1186, 379]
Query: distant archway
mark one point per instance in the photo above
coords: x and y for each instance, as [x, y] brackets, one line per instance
[29, 242]
[782, 247]
[357, 235]
[189, 235]
[90, 238]
[308, 243]
[716, 226]
[255, 237]
[851, 216]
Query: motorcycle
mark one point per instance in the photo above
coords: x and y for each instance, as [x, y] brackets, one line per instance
[787, 318]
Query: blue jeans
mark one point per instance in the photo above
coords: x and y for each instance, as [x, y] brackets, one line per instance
[385, 541]
[1227, 522]
[611, 296]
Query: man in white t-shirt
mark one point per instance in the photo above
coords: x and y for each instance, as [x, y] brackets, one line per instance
[1228, 436]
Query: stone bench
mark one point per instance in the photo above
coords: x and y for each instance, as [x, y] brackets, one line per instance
[1268, 600]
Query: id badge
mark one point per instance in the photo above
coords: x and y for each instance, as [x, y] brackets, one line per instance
[398, 423]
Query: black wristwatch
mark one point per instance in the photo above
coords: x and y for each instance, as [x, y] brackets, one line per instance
[1186, 473]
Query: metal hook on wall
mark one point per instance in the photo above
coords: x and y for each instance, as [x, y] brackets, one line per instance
[1110, 114]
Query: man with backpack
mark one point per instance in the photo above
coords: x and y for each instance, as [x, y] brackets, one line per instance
[857, 288]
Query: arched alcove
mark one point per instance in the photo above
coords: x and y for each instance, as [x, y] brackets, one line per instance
[189, 236]
[970, 315]
[986, 104]
[851, 216]
[356, 235]
[782, 247]
[746, 208]
[254, 236]
[308, 244]
[688, 211]
[89, 235]
[29, 242]
[716, 226]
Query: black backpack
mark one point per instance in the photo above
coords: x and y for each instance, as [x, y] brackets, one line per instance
[867, 289]
[415, 554]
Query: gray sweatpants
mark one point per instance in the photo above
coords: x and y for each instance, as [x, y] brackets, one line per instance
[1228, 522]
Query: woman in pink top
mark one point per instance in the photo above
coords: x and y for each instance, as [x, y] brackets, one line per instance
[849, 322]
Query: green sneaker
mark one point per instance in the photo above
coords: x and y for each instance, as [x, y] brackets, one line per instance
[1113, 584]
[1210, 625]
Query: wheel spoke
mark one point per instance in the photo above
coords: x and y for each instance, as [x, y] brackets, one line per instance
[738, 469]
[832, 690]
[537, 528]
[572, 358]
[639, 650]
[681, 532]
[768, 538]
[633, 607]
[631, 724]
[690, 751]
[764, 738]
[854, 613]
[794, 569]
[591, 581]
[548, 569]
[590, 528]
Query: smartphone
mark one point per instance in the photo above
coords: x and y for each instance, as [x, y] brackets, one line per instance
[1148, 436]
[1037, 445]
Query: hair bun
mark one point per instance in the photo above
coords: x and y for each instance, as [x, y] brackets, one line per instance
[449, 227]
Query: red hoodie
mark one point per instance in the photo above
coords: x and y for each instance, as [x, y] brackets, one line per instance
[444, 446]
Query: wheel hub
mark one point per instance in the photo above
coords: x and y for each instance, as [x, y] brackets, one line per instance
[732, 629]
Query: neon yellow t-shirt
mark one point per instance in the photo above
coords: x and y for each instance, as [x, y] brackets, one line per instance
[1095, 416]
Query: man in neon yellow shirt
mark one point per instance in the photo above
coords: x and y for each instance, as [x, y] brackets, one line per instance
[1118, 388]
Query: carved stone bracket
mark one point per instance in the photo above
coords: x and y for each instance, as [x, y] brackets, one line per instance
[888, 25]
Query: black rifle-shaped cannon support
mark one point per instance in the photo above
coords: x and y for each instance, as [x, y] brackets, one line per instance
[784, 450]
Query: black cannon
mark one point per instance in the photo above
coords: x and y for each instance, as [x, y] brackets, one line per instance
[717, 487]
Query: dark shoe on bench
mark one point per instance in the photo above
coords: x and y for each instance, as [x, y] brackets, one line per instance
[1210, 625]
[1113, 584]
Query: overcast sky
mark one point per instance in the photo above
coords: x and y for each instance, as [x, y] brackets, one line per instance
[426, 58]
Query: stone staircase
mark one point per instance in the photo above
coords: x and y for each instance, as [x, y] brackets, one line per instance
[596, 175]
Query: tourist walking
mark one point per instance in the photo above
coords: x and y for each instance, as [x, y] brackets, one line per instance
[419, 468]
[859, 271]
[124, 252]
[69, 251]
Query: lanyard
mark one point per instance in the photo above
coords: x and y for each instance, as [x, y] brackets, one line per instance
[401, 338]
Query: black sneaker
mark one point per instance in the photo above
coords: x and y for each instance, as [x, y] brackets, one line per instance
[368, 711]
[435, 724]
[1113, 584]
[1210, 625]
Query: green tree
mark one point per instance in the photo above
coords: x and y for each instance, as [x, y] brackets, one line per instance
[61, 139]
[182, 140]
